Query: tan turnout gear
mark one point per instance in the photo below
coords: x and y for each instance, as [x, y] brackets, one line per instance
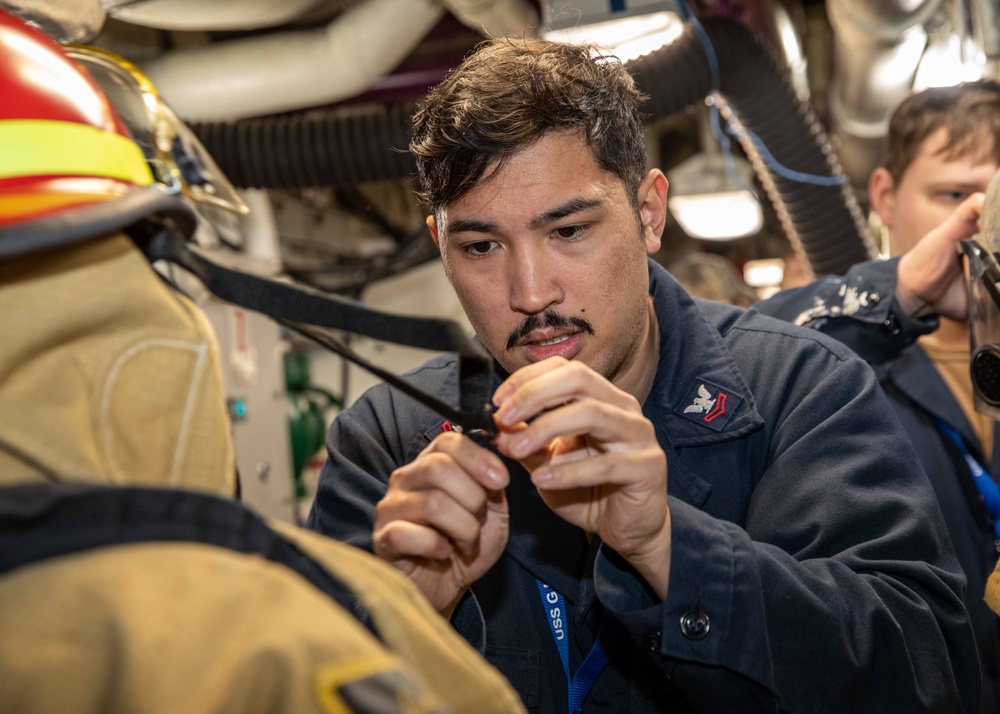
[129, 580]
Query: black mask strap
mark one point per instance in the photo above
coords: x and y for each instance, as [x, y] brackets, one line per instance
[314, 314]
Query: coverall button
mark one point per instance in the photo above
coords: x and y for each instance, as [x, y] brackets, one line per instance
[873, 297]
[891, 325]
[694, 625]
[652, 641]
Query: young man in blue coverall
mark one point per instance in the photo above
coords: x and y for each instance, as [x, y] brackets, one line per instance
[688, 507]
[943, 148]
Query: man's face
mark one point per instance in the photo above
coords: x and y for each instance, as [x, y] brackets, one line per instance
[929, 190]
[547, 257]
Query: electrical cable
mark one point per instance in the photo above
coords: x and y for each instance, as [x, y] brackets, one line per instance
[688, 16]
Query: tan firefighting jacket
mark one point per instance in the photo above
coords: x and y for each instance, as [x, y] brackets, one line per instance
[108, 376]
[992, 595]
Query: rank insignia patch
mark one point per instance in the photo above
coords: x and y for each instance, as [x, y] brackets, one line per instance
[709, 404]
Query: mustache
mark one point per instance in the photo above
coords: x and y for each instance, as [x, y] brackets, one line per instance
[549, 318]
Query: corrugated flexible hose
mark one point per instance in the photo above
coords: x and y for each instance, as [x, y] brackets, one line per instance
[342, 147]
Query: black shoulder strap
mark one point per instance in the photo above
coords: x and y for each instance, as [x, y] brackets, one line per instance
[315, 314]
[47, 520]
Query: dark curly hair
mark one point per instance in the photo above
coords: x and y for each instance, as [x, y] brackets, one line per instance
[969, 111]
[506, 95]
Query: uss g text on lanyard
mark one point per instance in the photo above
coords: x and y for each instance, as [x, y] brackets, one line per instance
[580, 684]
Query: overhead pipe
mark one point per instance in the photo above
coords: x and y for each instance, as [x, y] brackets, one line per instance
[215, 15]
[877, 49]
[333, 148]
[496, 18]
[287, 71]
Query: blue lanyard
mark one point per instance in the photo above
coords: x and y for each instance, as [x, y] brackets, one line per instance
[984, 484]
[581, 683]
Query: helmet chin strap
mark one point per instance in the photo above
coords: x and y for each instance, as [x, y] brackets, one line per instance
[316, 315]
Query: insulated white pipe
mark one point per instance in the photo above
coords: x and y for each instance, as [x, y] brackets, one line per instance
[497, 18]
[284, 71]
[212, 15]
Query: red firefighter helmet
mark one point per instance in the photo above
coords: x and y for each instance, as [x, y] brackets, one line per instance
[68, 168]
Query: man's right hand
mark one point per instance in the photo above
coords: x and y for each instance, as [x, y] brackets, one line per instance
[929, 279]
[444, 520]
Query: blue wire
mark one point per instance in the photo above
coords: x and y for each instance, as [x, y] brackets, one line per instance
[727, 152]
[781, 170]
[713, 63]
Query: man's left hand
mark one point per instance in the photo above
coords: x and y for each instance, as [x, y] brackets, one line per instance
[929, 278]
[593, 457]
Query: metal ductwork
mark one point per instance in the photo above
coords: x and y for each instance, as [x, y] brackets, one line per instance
[984, 16]
[338, 148]
[877, 48]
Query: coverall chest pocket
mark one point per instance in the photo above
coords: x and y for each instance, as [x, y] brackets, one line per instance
[520, 667]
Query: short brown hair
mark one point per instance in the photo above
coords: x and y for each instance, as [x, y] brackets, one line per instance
[509, 93]
[969, 111]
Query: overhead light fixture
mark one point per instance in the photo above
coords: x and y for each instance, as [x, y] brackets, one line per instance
[709, 203]
[626, 32]
[764, 275]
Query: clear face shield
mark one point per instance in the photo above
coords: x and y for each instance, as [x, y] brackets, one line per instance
[983, 279]
[982, 275]
[180, 163]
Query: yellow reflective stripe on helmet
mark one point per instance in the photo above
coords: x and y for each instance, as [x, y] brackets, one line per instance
[34, 147]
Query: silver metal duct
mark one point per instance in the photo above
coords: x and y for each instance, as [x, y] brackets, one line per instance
[877, 47]
[984, 16]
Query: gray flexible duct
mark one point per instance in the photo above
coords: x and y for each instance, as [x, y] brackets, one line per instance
[322, 148]
[331, 148]
[825, 220]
